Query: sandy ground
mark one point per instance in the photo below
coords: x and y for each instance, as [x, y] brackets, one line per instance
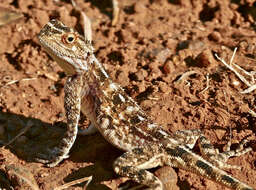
[153, 44]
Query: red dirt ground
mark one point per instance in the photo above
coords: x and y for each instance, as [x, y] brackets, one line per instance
[153, 44]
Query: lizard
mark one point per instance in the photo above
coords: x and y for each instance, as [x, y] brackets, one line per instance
[122, 122]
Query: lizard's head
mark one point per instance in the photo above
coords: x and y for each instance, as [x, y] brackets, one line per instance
[66, 46]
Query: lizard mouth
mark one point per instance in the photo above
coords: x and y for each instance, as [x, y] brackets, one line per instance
[50, 47]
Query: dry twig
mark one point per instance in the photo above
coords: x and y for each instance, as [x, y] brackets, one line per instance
[115, 12]
[185, 75]
[88, 179]
[231, 65]
[16, 81]
[86, 22]
[29, 125]
[252, 113]
[207, 83]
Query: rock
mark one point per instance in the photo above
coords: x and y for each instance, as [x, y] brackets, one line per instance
[163, 55]
[168, 67]
[163, 87]
[204, 59]
[220, 133]
[195, 45]
[168, 177]
[215, 36]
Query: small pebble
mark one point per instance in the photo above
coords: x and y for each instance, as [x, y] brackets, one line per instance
[163, 55]
[244, 108]
[204, 59]
[43, 174]
[168, 67]
[168, 177]
[235, 82]
[196, 45]
[243, 45]
[163, 86]
[220, 133]
[215, 36]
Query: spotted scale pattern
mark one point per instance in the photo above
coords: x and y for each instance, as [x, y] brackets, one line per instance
[121, 121]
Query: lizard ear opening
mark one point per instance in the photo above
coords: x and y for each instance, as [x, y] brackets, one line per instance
[69, 38]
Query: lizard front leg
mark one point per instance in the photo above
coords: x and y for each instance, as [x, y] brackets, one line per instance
[72, 104]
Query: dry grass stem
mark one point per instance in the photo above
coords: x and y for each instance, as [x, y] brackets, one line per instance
[24, 130]
[67, 185]
[248, 90]
[207, 83]
[231, 65]
[86, 22]
[115, 12]
[185, 75]
[253, 113]
[15, 81]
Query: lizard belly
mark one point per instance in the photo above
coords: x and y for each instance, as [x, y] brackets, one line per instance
[117, 138]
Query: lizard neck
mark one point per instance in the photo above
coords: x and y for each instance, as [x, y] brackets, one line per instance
[96, 73]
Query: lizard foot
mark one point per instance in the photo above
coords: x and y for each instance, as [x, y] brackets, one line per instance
[52, 157]
[219, 159]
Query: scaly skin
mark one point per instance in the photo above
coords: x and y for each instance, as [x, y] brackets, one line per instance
[122, 122]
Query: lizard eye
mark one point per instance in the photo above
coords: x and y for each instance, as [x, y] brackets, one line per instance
[69, 38]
